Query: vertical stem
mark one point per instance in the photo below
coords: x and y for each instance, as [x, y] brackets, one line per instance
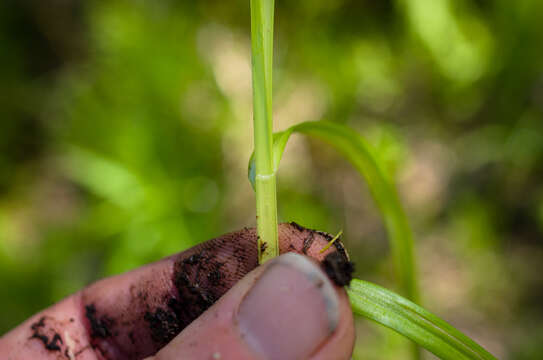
[262, 60]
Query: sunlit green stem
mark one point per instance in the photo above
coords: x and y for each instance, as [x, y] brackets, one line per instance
[262, 60]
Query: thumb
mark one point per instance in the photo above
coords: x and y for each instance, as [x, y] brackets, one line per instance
[286, 309]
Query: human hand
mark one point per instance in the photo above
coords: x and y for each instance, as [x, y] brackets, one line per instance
[212, 301]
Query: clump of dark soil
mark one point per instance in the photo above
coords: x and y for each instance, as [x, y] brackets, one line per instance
[39, 332]
[163, 325]
[100, 326]
[196, 279]
[338, 268]
[263, 247]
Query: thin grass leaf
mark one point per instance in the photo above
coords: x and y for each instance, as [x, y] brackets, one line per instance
[414, 322]
[355, 149]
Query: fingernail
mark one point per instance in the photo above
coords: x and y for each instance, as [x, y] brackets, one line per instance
[290, 311]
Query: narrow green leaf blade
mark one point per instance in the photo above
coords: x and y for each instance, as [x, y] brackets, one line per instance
[414, 322]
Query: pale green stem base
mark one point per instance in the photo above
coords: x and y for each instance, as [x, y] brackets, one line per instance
[266, 213]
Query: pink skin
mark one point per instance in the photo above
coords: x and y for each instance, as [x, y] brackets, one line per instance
[130, 316]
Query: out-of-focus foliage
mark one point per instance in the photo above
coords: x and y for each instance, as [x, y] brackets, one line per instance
[125, 132]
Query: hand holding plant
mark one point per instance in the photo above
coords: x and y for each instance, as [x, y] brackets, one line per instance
[209, 302]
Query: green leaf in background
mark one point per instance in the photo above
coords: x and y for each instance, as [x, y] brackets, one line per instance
[103, 176]
[358, 152]
[412, 321]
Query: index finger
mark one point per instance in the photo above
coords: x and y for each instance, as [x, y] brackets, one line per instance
[133, 315]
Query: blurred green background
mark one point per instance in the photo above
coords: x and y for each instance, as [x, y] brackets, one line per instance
[125, 130]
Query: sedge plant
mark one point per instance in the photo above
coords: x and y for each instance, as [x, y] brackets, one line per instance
[399, 313]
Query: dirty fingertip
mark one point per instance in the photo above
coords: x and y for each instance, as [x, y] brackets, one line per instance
[290, 311]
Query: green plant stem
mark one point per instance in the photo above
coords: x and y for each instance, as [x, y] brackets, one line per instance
[262, 12]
